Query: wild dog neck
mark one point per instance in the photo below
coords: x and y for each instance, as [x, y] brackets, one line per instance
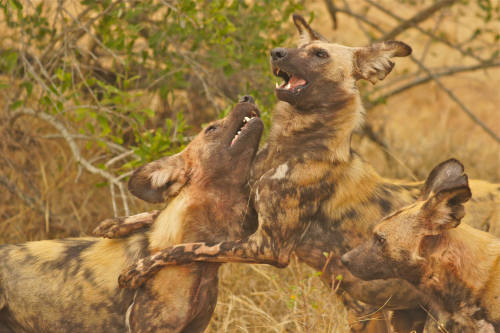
[201, 214]
[458, 265]
[322, 133]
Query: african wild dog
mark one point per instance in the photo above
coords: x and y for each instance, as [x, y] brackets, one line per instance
[71, 285]
[313, 194]
[457, 266]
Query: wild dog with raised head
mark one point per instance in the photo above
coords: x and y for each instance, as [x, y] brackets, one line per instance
[313, 194]
[71, 285]
[457, 266]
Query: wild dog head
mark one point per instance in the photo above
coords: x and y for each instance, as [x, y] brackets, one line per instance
[400, 242]
[317, 72]
[220, 155]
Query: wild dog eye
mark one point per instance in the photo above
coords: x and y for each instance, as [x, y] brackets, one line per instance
[379, 239]
[210, 128]
[321, 54]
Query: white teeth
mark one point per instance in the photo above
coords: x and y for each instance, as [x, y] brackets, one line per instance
[238, 133]
[246, 119]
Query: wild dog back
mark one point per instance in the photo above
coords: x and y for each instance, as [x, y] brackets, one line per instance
[66, 285]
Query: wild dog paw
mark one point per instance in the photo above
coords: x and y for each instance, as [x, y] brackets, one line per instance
[108, 228]
[132, 278]
[118, 227]
[137, 274]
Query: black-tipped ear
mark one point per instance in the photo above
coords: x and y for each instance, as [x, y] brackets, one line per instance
[157, 181]
[446, 190]
[373, 62]
[448, 174]
[306, 33]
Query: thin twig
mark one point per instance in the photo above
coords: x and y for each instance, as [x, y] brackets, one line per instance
[417, 18]
[425, 32]
[425, 79]
[109, 144]
[450, 93]
[28, 200]
[429, 42]
[119, 157]
[91, 35]
[361, 18]
[358, 21]
[332, 10]
[113, 199]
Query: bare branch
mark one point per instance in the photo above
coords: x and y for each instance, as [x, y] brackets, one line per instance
[450, 93]
[359, 17]
[110, 144]
[442, 73]
[358, 22]
[417, 18]
[74, 149]
[431, 75]
[332, 9]
[425, 32]
[119, 157]
[429, 42]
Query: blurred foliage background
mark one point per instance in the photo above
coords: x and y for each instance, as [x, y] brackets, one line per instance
[91, 89]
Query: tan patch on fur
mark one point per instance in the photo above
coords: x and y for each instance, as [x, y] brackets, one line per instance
[167, 229]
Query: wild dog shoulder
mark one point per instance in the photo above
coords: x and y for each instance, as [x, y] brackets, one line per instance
[297, 187]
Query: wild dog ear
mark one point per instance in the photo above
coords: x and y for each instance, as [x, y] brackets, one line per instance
[446, 190]
[373, 62]
[158, 180]
[307, 34]
[447, 174]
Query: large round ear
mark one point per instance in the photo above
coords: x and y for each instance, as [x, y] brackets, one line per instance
[306, 33]
[445, 191]
[373, 62]
[447, 174]
[157, 181]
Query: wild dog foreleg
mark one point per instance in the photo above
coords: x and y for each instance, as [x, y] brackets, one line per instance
[118, 227]
[257, 249]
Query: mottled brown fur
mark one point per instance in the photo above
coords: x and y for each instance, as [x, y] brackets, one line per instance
[313, 194]
[71, 285]
[457, 266]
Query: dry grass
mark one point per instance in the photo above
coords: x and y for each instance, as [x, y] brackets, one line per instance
[422, 127]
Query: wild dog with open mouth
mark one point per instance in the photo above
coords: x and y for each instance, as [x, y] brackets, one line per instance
[313, 194]
[71, 285]
[457, 266]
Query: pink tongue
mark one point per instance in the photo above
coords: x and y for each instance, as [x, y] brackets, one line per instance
[295, 82]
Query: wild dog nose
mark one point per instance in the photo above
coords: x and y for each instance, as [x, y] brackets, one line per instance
[247, 99]
[278, 53]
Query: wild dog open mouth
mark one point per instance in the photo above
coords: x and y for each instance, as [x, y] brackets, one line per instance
[243, 126]
[291, 82]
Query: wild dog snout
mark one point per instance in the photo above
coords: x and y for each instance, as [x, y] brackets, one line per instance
[278, 53]
[247, 99]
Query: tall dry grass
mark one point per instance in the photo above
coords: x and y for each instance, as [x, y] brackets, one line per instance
[422, 127]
